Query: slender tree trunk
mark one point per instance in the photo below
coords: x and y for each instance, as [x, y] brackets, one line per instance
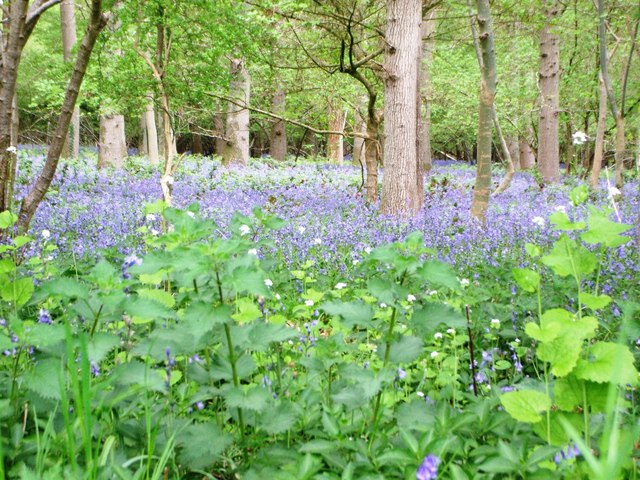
[400, 113]
[196, 143]
[112, 149]
[570, 151]
[514, 151]
[428, 42]
[15, 132]
[482, 190]
[236, 151]
[370, 152]
[278, 134]
[548, 142]
[600, 130]
[142, 143]
[69, 39]
[620, 148]
[335, 144]
[97, 22]
[358, 142]
[151, 134]
[218, 125]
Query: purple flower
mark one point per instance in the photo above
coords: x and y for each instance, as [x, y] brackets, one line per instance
[199, 405]
[95, 369]
[428, 469]
[401, 374]
[44, 317]
[571, 452]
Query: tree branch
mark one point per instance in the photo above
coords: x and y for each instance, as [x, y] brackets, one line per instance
[36, 10]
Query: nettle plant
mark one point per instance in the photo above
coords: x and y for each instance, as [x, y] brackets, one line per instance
[579, 397]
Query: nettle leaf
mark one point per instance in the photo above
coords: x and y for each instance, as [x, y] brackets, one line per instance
[201, 444]
[604, 231]
[44, 379]
[262, 335]
[406, 350]
[567, 258]
[579, 195]
[568, 393]
[253, 398]
[526, 405]
[7, 265]
[526, 279]
[200, 318]
[64, 287]
[595, 302]
[247, 311]
[557, 433]
[160, 296]
[278, 419]
[7, 219]
[431, 315]
[562, 222]
[439, 274]
[386, 291]
[221, 367]
[138, 374]
[146, 308]
[100, 345]
[41, 335]
[178, 340]
[353, 314]
[608, 362]
[18, 291]
[105, 275]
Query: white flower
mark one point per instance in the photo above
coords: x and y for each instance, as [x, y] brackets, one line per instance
[420, 394]
[383, 305]
[155, 232]
[437, 336]
[433, 293]
[301, 229]
[434, 354]
[278, 296]
[340, 285]
[538, 221]
[191, 214]
[268, 282]
[317, 241]
[244, 229]
[252, 251]
[12, 149]
[579, 138]
[355, 262]
[411, 298]
[150, 217]
[495, 321]
[464, 282]
[46, 234]
[517, 340]
[614, 192]
[560, 208]
[367, 250]
[308, 303]
[451, 331]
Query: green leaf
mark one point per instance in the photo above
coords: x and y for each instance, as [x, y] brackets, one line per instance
[562, 222]
[7, 219]
[608, 362]
[526, 405]
[201, 444]
[146, 308]
[595, 302]
[406, 350]
[44, 379]
[557, 433]
[160, 296]
[568, 393]
[386, 291]
[18, 291]
[136, 373]
[7, 265]
[262, 335]
[100, 345]
[253, 398]
[579, 195]
[431, 315]
[247, 311]
[439, 274]
[63, 287]
[355, 313]
[200, 318]
[604, 231]
[567, 258]
[21, 240]
[279, 419]
[526, 279]
[42, 335]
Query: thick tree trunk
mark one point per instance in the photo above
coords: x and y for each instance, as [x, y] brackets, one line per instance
[236, 151]
[482, 188]
[428, 42]
[620, 149]
[278, 134]
[399, 196]
[600, 130]
[97, 22]
[196, 143]
[527, 156]
[112, 148]
[358, 142]
[151, 133]
[218, 125]
[548, 142]
[335, 144]
[69, 38]
[514, 151]
[370, 152]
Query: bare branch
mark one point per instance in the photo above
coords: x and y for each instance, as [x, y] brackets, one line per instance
[36, 10]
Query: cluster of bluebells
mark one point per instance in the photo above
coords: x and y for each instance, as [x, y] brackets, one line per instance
[9, 352]
[309, 339]
[170, 363]
[563, 455]
[428, 469]
[129, 262]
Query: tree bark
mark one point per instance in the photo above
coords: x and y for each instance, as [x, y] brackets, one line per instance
[196, 143]
[358, 142]
[236, 151]
[399, 195]
[278, 134]
[482, 190]
[218, 125]
[548, 142]
[600, 130]
[527, 156]
[69, 38]
[428, 42]
[151, 133]
[142, 142]
[335, 144]
[97, 22]
[112, 148]
[514, 151]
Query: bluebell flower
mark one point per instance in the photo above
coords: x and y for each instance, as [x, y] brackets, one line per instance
[44, 317]
[428, 469]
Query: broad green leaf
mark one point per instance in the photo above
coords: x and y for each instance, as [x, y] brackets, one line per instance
[247, 311]
[21, 240]
[406, 350]
[7, 219]
[527, 279]
[160, 296]
[569, 393]
[416, 415]
[354, 313]
[44, 379]
[608, 362]
[253, 398]
[136, 373]
[562, 222]
[431, 315]
[41, 335]
[526, 405]
[7, 265]
[595, 302]
[439, 274]
[567, 258]
[147, 308]
[604, 231]
[386, 291]
[63, 287]
[262, 335]
[278, 419]
[532, 250]
[558, 435]
[100, 345]
[200, 318]
[18, 291]
[579, 195]
[201, 444]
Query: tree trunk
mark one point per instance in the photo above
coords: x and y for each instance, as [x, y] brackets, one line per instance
[620, 148]
[482, 190]
[112, 149]
[97, 22]
[142, 143]
[196, 143]
[69, 38]
[278, 134]
[548, 142]
[335, 144]
[151, 134]
[427, 31]
[236, 151]
[370, 147]
[570, 151]
[600, 130]
[527, 157]
[400, 113]
[357, 157]
[514, 151]
[218, 125]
